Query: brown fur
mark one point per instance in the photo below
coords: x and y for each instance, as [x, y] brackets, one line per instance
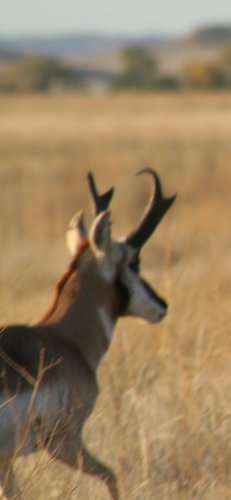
[62, 282]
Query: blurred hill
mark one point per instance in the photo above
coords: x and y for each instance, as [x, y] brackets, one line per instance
[99, 57]
[6, 52]
[66, 46]
[204, 43]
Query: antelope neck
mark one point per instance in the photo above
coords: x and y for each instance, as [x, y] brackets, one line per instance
[83, 317]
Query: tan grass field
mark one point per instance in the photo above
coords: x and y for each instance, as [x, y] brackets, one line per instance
[163, 419]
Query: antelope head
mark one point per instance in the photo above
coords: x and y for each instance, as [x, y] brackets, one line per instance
[118, 262]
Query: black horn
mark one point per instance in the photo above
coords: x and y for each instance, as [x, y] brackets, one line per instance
[153, 214]
[101, 201]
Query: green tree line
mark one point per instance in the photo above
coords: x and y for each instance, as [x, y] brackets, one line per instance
[140, 70]
[38, 74]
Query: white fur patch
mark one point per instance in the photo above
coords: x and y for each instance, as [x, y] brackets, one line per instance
[141, 304]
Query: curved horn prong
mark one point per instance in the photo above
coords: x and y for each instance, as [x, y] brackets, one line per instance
[153, 214]
[101, 201]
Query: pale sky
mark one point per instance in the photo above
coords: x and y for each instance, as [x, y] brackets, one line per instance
[110, 16]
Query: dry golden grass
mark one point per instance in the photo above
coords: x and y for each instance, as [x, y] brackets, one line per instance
[163, 419]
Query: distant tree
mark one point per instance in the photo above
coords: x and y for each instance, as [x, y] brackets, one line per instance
[226, 56]
[168, 82]
[38, 74]
[140, 69]
[225, 62]
[203, 74]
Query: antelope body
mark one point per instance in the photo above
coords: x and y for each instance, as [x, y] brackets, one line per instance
[48, 381]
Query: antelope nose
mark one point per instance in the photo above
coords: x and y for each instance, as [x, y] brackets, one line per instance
[162, 313]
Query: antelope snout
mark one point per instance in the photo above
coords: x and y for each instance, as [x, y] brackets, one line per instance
[161, 313]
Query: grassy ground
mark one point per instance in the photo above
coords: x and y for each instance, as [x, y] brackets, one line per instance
[162, 420]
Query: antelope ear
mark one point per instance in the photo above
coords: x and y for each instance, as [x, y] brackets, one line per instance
[76, 233]
[100, 235]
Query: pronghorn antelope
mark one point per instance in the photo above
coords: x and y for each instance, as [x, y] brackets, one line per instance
[48, 381]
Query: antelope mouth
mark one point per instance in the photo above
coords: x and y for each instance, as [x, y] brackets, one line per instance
[159, 305]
